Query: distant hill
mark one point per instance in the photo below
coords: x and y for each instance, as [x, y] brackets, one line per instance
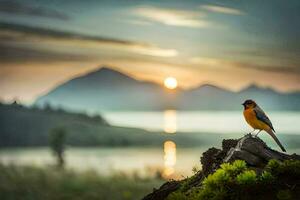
[107, 89]
[21, 126]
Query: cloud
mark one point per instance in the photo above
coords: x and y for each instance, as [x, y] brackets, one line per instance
[222, 9]
[172, 17]
[18, 54]
[221, 64]
[137, 22]
[40, 38]
[155, 51]
[281, 69]
[13, 7]
[21, 32]
[209, 62]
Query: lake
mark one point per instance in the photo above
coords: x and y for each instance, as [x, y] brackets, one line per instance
[171, 121]
[171, 160]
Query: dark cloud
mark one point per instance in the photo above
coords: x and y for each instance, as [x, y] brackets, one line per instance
[18, 54]
[19, 43]
[18, 8]
[289, 58]
[280, 69]
[21, 32]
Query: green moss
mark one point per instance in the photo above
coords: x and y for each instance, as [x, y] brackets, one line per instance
[237, 181]
[288, 166]
[235, 168]
[217, 179]
[247, 177]
[266, 177]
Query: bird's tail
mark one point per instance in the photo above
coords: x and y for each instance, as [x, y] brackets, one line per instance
[276, 139]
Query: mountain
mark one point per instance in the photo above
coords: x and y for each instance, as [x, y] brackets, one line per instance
[107, 89]
[209, 97]
[110, 90]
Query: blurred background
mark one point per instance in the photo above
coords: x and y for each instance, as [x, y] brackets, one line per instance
[131, 93]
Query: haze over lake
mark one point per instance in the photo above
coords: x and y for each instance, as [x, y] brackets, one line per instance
[223, 122]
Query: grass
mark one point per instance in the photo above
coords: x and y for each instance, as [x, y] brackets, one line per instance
[32, 183]
[279, 180]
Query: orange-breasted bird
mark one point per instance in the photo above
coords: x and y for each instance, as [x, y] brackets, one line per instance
[257, 118]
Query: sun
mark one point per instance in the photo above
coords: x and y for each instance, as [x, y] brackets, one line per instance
[170, 83]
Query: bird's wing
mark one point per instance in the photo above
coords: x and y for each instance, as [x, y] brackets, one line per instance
[261, 115]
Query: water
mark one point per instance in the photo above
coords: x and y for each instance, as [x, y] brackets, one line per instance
[171, 160]
[205, 121]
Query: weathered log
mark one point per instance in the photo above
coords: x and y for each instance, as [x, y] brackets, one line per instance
[255, 152]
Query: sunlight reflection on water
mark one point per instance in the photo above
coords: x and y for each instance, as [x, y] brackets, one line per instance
[169, 158]
[170, 126]
[170, 121]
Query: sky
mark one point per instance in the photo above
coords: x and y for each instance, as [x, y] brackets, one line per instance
[228, 43]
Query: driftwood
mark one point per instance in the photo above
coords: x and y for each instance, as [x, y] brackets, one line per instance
[251, 149]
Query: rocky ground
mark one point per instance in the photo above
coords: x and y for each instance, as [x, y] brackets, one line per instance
[257, 157]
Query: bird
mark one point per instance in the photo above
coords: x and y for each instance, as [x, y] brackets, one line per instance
[258, 120]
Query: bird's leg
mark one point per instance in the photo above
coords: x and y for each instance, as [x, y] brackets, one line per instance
[250, 133]
[257, 133]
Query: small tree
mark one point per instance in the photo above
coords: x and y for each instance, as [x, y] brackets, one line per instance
[57, 142]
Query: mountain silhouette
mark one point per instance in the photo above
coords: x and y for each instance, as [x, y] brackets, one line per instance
[107, 89]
